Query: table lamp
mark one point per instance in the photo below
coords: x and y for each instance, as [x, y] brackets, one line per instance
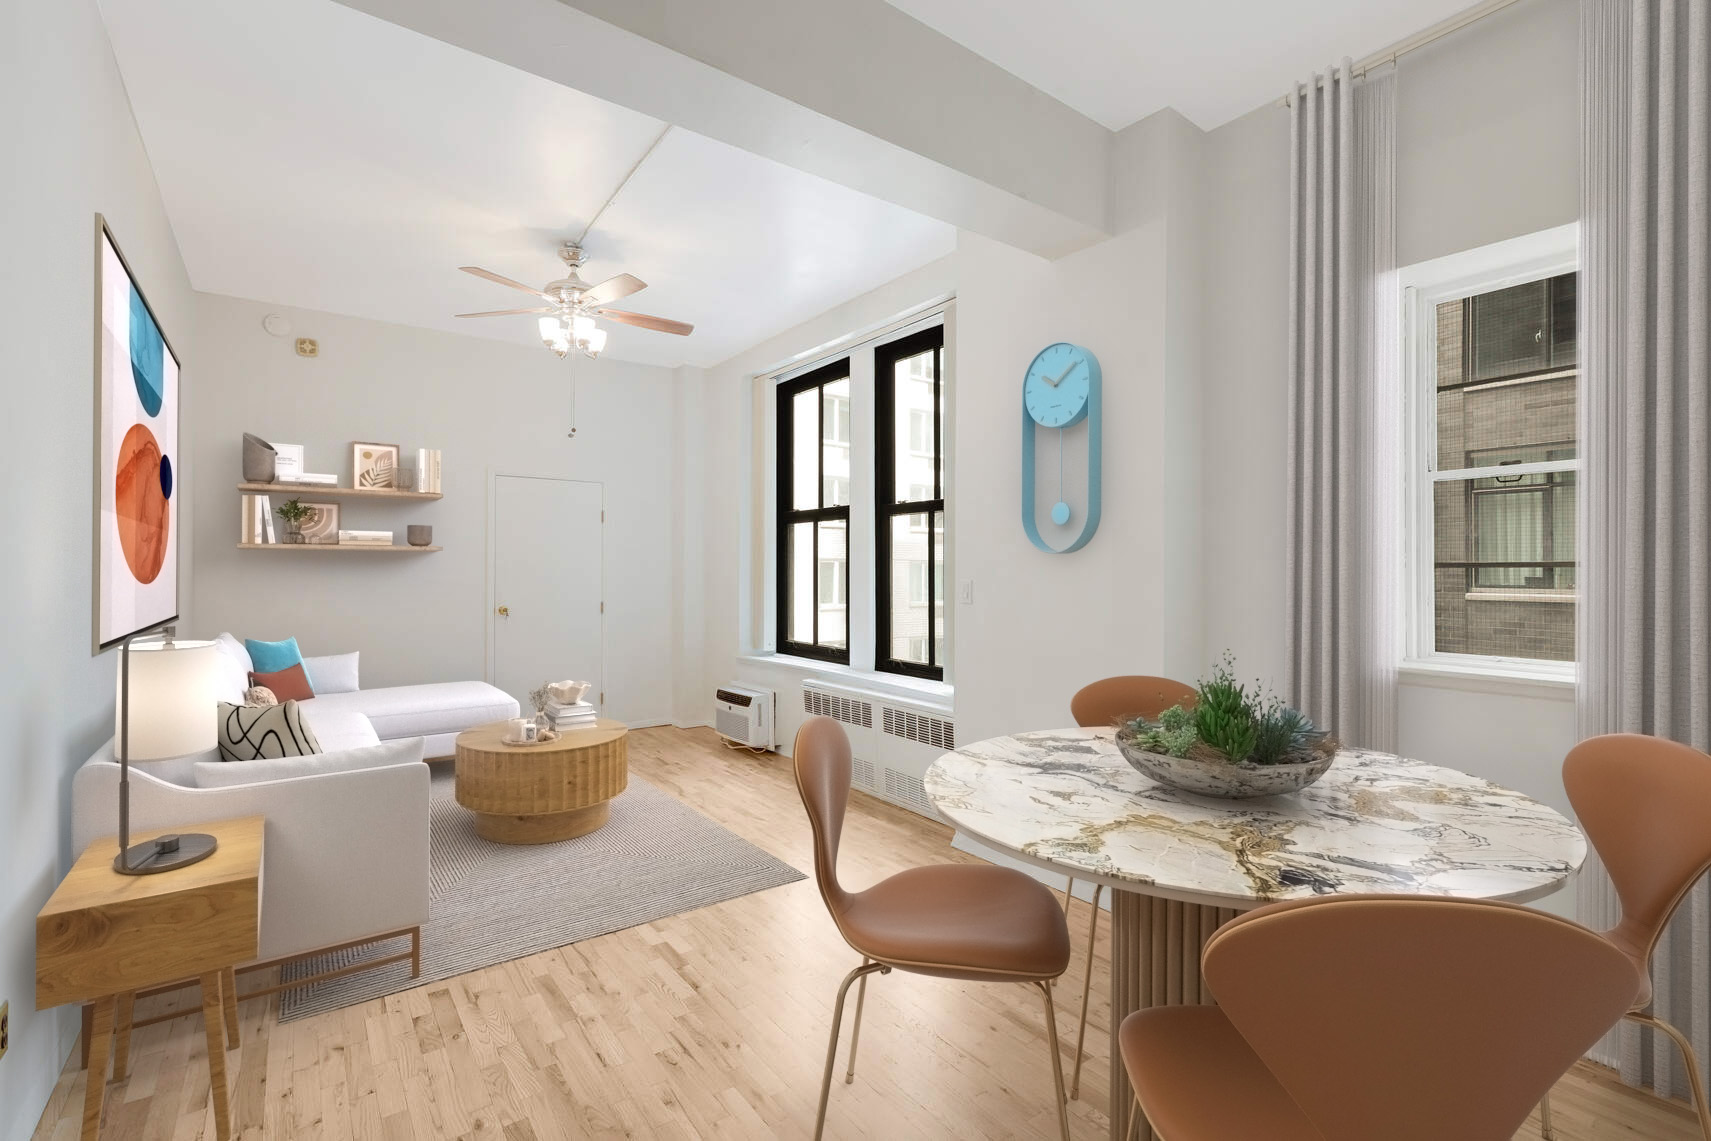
[166, 708]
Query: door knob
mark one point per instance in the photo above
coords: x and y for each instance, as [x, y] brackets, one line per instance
[505, 612]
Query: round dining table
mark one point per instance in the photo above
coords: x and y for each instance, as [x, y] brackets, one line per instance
[1181, 865]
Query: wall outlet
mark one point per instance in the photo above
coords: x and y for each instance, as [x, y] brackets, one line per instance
[5, 1027]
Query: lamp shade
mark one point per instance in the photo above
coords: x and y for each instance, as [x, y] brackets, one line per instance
[173, 703]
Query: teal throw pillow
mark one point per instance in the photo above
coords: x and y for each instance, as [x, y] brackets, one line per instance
[271, 657]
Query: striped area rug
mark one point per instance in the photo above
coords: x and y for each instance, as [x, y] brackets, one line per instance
[489, 903]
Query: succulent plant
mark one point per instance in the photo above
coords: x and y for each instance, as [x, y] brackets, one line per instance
[1230, 722]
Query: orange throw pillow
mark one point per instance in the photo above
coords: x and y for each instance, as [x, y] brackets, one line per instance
[290, 684]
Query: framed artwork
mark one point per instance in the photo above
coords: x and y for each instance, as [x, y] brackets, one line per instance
[374, 465]
[321, 526]
[136, 456]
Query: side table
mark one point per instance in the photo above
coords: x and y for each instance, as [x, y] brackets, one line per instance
[103, 936]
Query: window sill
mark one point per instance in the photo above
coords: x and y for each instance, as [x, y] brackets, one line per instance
[935, 693]
[1515, 678]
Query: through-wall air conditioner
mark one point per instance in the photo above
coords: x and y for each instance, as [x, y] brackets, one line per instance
[743, 716]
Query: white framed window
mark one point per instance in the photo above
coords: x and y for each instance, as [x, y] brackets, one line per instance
[1492, 459]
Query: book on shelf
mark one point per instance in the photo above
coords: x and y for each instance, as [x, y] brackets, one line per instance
[371, 538]
[320, 479]
[428, 470]
[266, 506]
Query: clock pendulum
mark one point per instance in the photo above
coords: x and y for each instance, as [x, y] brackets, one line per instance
[1060, 509]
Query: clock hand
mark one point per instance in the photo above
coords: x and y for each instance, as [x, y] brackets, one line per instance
[1064, 373]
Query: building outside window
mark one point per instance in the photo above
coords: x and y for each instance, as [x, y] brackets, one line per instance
[910, 507]
[1494, 461]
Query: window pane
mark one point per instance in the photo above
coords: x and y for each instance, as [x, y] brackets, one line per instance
[1498, 589]
[805, 457]
[835, 403]
[910, 612]
[799, 581]
[1510, 331]
[938, 587]
[915, 412]
[834, 571]
[1482, 421]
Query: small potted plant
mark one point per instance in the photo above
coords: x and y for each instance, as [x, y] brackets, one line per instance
[293, 511]
[1231, 743]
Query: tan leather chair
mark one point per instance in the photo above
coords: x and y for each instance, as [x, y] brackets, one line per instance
[1645, 804]
[1111, 701]
[1355, 1017]
[954, 921]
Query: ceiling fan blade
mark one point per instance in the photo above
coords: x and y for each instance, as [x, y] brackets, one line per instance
[642, 320]
[509, 312]
[498, 279]
[614, 288]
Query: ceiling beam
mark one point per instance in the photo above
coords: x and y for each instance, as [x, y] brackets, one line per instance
[853, 91]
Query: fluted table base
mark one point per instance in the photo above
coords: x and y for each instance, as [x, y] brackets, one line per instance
[1155, 961]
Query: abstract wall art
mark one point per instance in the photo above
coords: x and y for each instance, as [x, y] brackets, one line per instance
[136, 456]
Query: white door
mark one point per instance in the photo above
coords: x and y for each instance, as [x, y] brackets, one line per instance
[546, 619]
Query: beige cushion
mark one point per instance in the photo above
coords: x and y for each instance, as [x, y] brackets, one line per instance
[251, 732]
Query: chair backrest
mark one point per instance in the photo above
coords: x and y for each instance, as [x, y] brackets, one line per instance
[822, 759]
[1416, 1018]
[1113, 699]
[1646, 806]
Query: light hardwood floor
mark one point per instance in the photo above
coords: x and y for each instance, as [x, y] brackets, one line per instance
[710, 1024]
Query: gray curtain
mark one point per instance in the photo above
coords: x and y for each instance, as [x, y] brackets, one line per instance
[1344, 406]
[1646, 423]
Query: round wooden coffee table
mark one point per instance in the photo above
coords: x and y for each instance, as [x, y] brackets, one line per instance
[538, 794]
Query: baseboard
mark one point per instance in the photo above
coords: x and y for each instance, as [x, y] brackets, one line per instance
[692, 724]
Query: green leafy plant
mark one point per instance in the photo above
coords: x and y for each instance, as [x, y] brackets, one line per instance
[294, 511]
[1231, 722]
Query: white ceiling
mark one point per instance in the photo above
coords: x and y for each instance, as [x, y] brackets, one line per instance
[1117, 61]
[311, 155]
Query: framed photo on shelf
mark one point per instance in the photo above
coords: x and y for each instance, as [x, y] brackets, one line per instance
[374, 465]
[321, 527]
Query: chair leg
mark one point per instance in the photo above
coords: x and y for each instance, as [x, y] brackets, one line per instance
[1068, 895]
[855, 1029]
[1134, 1112]
[1086, 985]
[1057, 1062]
[1545, 1130]
[832, 1046]
[1691, 1060]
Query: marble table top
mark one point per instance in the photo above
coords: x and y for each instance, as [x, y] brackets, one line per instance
[1066, 799]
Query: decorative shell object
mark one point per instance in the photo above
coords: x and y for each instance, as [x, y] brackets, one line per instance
[259, 695]
[1224, 779]
[569, 692]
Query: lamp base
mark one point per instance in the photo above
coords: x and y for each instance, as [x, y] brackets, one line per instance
[164, 853]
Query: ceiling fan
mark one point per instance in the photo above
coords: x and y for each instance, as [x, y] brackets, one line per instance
[573, 305]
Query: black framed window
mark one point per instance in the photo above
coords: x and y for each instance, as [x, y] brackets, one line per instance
[813, 435]
[909, 516]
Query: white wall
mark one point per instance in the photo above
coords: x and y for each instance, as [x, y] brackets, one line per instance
[489, 407]
[1487, 148]
[72, 150]
[1041, 624]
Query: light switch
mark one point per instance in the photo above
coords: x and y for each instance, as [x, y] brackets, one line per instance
[965, 592]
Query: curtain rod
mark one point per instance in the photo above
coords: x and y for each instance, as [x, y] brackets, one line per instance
[1419, 40]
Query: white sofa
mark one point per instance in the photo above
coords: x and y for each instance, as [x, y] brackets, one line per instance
[346, 854]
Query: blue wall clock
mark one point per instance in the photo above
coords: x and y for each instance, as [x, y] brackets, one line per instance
[1060, 390]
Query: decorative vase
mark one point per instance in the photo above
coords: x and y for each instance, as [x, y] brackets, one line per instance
[419, 535]
[293, 532]
[1223, 779]
[259, 458]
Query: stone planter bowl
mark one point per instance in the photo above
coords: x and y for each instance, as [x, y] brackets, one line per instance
[1222, 779]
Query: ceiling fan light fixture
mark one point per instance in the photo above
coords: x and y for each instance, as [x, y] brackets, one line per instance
[595, 342]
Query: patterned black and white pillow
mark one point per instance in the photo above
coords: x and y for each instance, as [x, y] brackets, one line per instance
[252, 732]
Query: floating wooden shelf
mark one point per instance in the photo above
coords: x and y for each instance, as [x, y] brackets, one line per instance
[370, 547]
[322, 489]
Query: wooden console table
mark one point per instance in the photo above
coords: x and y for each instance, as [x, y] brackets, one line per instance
[538, 794]
[103, 936]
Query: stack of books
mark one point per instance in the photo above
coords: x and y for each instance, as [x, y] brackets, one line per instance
[428, 469]
[321, 479]
[579, 716]
[365, 538]
[257, 523]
